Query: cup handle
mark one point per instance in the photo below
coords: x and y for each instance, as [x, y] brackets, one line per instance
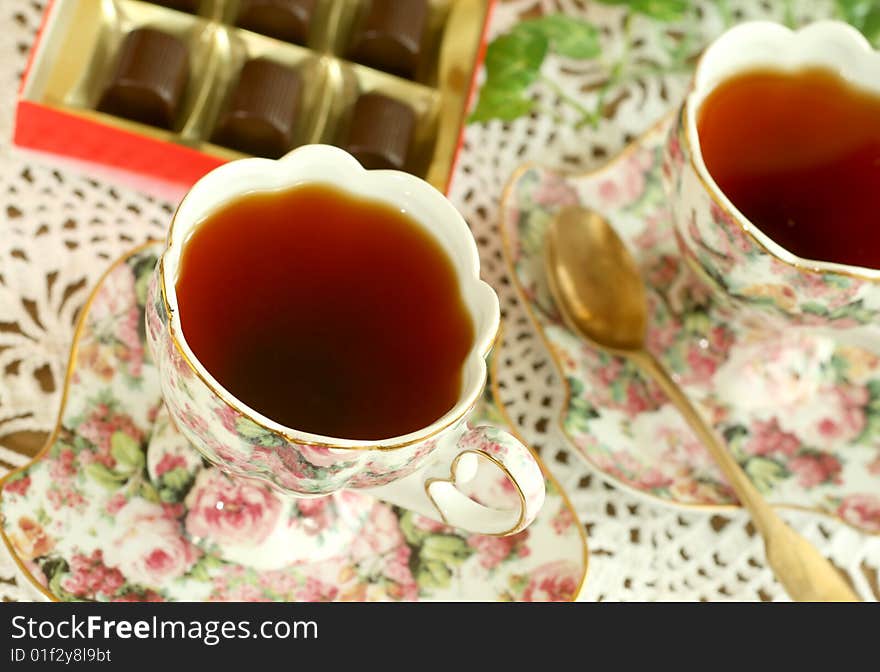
[435, 491]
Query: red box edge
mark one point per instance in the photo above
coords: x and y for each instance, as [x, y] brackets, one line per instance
[36, 128]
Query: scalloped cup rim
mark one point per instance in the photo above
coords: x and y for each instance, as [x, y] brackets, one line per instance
[337, 168]
[756, 44]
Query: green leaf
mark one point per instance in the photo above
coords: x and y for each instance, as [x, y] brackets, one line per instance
[503, 104]
[871, 27]
[212, 561]
[872, 429]
[662, 10]
[734, 432]
[872, 414]
[735, 437]
[126, 451]
[106, 396]
[148, 492]
[697, 322]
[80, 443]
[765, 472]
[840, 367]
[141, 285]
[725, 12]
[199, 572]
[43, 517]
[251, 430]
[514, 60]
[104, 476]
[838, 281]
[584, 409]
[854, 11]
[413, 535]
[568, 36]
[862, 14]
[143, 272]
[814, 308]
[446, 548]
[433, 574]
[518, 583]
[55, 569]
[177, 478]
[854, 311]
[618, 389]
[54, 565]
[169, 495]
[789, 20]
[175, 484]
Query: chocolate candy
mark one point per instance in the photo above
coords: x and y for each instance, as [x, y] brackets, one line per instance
[287, 20]
[381, 132]
[263, 109]
[150, 79]
[391, 36]
[190, 6]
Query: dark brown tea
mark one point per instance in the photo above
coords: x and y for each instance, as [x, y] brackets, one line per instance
[799, 156]
[326, 313]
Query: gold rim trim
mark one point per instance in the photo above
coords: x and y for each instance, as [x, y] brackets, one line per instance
[53, 437]
[517, 527]
[507, 252]
[230, 400]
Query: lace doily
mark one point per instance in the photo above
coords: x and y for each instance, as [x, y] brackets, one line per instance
[61, 228]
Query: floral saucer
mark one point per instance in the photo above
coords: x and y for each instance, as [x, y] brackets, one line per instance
[118, 508]
[800, 413]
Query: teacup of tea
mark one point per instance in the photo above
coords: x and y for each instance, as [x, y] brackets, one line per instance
[321, 327]
[773, 171]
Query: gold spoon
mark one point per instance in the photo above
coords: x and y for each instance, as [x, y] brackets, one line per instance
[599, 292]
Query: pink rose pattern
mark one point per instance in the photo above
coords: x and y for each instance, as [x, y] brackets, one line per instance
[90, 578]
[225, 510]
[150, 547]
[116, 526]
[768, 438]
[553, 582]
[862, 511]
[622, 423]
[495, 550]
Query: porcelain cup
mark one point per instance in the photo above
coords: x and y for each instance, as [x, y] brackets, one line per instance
[765, 285]
[428, 471]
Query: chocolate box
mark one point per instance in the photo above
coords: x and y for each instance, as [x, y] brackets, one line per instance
[156, 94]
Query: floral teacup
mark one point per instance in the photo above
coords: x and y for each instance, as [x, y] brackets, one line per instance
[426, 471]
[767, 286]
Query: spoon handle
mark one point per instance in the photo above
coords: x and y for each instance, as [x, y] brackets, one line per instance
[806, 575]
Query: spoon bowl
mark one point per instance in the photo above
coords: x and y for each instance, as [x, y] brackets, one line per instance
[593, 276]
